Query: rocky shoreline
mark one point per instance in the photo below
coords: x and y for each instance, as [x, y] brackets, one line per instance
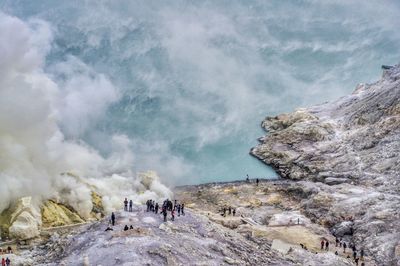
[345, 156]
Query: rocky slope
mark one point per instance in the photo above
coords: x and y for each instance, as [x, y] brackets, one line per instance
[263, 232]
[347, 154]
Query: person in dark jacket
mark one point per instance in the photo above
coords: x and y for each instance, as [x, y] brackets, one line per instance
[130, 206]
[112, 219]
[126, 204]
[156, 208]
[126, 228]
[322, 244]
[344, 247]
[182, 209]
[327, 245]
[164, 212]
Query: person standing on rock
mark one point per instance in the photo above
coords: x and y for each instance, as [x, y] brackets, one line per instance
[8, 261]
[164, 212]
[179, 210]
[3, 262]
[327, 245]
[182, 209]
[130, 206]
[126, 204]
[344, 247]
[112, 219]
[337, 242]
[234, 212]
[157, 208]
[362, 253]
[257, 181]
[354, 255]
[322, 244]
[247, 179]
[173, 214]
[229, 210]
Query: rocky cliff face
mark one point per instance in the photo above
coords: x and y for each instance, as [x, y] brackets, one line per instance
[350, 149]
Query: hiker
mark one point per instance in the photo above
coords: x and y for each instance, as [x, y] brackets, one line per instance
[356, 260]
[247, 179]
[108, 229]
[126, 204]
[337, 242]
[224, 211]
[175, 205]
[130, 205]
[229, 210]
[8, 261]
[344, 247]
[322, 245]
[112, 219]
[3, 262]
[157, 208]
[298, 220]
[362, 253]
[147, 205]
[257, 181]
[234, 212]
[164, 212]
[131, 227]
[179, 210]
[173, 214]
[353, 247]
[354, 254]
[336, 253]
[327, 245]
[126, 228]
[182, 208]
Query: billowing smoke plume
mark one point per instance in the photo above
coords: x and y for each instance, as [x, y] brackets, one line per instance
[35, 157]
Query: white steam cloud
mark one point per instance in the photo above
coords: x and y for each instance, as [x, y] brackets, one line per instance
[195, 78]
[35, 157]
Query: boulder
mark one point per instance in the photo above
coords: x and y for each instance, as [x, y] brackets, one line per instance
[25, 220]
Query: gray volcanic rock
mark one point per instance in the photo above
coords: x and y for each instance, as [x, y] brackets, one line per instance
[355, 138]
[352, 146]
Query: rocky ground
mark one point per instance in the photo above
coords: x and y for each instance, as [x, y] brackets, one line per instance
[268, 229]
[347, 155]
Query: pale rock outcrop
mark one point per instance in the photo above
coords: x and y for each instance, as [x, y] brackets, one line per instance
[25, 220]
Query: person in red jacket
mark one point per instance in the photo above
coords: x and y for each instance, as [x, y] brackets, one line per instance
[3, 262]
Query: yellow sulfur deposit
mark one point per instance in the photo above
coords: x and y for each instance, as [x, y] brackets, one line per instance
[55, 214]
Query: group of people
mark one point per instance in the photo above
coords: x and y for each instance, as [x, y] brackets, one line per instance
[230, 210]
[126, 202]
[5, 262]
[166, 207]
[340, 244]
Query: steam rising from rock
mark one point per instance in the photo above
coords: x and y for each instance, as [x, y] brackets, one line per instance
[33, 107]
